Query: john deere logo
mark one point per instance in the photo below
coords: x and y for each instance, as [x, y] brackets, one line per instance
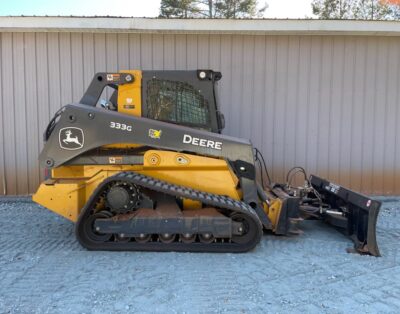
[155, 133]
[71, 138]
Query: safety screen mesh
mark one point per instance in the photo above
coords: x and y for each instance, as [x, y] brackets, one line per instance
[177, 102]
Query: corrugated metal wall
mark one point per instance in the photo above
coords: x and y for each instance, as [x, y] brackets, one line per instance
[329, 103]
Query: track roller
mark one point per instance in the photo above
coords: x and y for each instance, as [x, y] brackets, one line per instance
[187, 238]
[143, 238]
[206, 238]
[167, 237]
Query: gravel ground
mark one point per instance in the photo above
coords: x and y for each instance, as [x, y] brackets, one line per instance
[44, 270]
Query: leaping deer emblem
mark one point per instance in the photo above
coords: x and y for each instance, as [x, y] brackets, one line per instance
[70, 139]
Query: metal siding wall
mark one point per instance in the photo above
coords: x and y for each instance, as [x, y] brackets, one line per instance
[2, 141]
[328, 103]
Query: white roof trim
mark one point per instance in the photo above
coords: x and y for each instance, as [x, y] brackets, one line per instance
[199, 26]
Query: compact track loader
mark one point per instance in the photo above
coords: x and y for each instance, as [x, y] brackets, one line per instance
[148, 169]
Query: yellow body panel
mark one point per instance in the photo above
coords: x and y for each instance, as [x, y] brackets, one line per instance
[65, 198]
[197, 172]
[274, 211]
[129, 95]
[190, 204]
[72, 186]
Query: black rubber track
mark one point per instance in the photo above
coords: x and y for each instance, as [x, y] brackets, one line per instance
[214, 200]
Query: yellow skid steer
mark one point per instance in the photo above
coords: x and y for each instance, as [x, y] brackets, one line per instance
[148, 169]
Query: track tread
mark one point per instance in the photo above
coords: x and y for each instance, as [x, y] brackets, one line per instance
[178, 191]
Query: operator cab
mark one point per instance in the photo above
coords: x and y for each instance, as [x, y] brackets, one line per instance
[186, 98]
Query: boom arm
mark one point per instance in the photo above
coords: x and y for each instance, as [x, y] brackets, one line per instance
[103, 127]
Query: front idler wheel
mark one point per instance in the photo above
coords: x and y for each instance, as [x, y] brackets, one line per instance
[89, 228]
[247, 230]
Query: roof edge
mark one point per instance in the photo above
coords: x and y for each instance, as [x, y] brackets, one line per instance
[199, 26]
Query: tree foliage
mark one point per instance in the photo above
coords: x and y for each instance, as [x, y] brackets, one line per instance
[357, 9]
[230, 9]
[178, 8]
[331, 9]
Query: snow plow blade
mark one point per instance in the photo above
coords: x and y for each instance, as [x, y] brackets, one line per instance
[351, 212]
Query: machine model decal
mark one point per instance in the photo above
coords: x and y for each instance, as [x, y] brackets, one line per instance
[71, 138]
[156, 134]
[120, 126]
[188, 139]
